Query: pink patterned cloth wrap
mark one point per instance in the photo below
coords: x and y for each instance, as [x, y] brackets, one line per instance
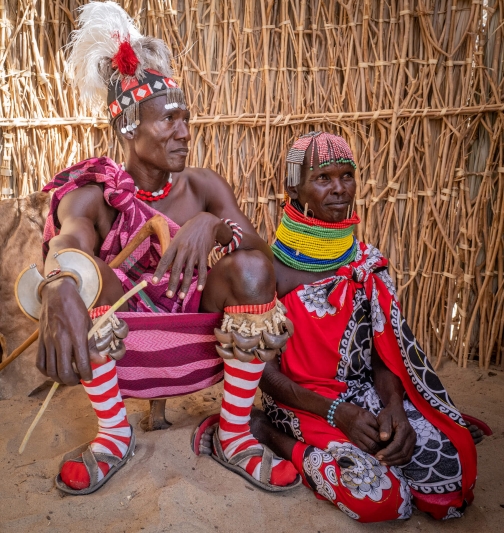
[170, 347]
[119, 192]
[169, 355]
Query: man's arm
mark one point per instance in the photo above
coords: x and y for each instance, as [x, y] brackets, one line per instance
[64, 319]
[222, 203]
[194, 241]
[359, 425]
[392, 420]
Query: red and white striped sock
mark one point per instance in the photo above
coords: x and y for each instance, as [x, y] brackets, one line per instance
[114, 432]
[240, 384]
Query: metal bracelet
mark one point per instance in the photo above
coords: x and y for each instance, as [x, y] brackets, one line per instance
[56, 276]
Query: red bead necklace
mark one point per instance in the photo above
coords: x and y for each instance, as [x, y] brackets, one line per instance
[148, 196]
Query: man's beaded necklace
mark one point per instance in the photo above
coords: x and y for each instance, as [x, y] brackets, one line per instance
[306, 243]
[148, 196]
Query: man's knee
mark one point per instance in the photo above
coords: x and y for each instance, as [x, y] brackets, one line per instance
[250, 275]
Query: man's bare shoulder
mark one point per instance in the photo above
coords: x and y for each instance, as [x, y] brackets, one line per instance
[204, 177]
[209, 186]
[86, 201]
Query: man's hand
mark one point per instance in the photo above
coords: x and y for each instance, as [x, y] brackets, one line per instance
[359, 425]
[393, 424]
[190, 248]
[64, 326]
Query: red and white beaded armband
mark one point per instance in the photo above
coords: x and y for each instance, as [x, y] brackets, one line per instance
[235, 241]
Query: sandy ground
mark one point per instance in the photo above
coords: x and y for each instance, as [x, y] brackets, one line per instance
[167, 488]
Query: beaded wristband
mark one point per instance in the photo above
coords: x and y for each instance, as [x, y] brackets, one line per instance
[235, 241]
[332, 410]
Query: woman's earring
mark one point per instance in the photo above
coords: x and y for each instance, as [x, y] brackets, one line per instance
[306, 210]
[348, 211]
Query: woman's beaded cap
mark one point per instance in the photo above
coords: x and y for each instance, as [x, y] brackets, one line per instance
[330, 149]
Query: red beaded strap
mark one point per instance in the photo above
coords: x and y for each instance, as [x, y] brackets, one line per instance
[255, 309]
[296, 216]
[98, 311]
[235, 241]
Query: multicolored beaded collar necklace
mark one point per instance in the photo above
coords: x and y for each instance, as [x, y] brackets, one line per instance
[306, 243]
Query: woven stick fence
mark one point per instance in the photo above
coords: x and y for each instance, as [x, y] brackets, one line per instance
[416, 87]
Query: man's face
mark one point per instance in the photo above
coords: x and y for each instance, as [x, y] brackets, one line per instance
[329, 191]
[161, 139]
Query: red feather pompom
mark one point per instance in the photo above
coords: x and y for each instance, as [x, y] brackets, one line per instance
[125, 60]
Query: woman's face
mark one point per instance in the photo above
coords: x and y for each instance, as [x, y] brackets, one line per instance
[329, 190]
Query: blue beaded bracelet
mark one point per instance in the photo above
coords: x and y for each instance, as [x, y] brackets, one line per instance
[332, 410]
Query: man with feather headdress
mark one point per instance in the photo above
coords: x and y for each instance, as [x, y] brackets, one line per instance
[98, 206]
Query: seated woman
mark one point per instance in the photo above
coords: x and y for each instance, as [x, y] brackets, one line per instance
[354, 402]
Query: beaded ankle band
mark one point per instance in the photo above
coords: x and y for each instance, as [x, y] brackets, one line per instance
[252, 309]
[109, 338]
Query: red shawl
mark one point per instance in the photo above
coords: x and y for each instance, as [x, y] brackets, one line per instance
[314, 352]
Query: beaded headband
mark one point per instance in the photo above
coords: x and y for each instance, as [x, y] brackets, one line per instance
[124, 97]
[330, 149]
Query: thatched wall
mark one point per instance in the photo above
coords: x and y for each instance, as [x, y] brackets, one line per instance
[416, 87]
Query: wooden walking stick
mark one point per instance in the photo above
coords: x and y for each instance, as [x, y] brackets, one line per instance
[157, 225]
[20, 349]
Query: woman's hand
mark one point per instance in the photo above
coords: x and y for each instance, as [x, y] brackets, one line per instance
[394, 426]
[190, 248]
[64, 325]
[359, 426]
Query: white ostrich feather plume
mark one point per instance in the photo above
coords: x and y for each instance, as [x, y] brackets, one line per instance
[102, 27]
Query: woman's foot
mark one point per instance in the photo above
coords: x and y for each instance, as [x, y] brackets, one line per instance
[476, 433]
[268, 434]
